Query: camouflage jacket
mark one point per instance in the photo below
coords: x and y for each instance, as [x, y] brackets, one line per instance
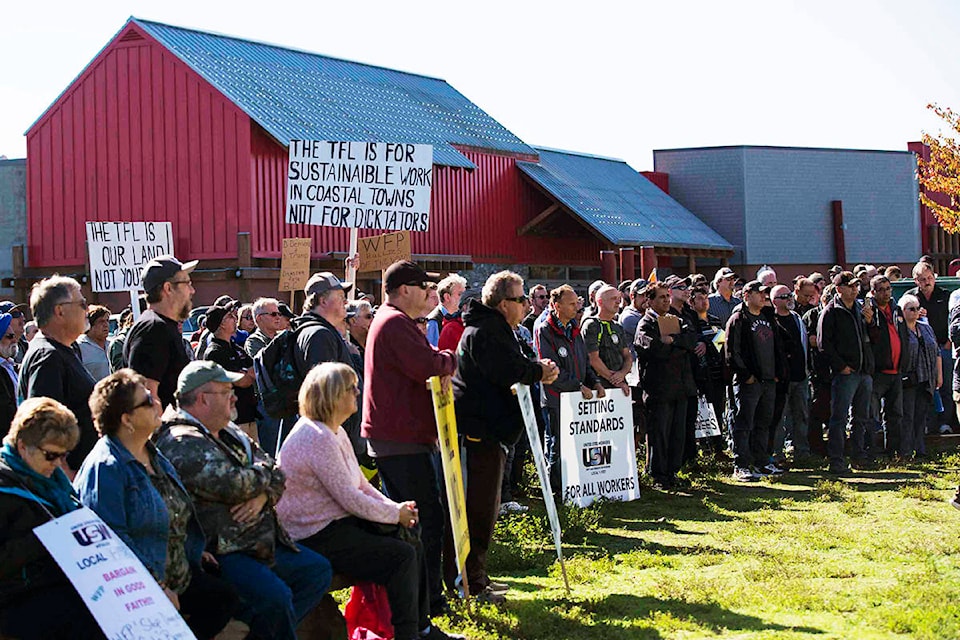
[218, 473]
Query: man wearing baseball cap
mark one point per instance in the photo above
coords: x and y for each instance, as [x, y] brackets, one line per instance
[842, 337]
[754, 353]
[154, 346]
[723, 302]
[235, 486]
[398, 419]
[17, 322]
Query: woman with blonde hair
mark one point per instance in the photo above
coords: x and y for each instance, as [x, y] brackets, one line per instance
[329, 506]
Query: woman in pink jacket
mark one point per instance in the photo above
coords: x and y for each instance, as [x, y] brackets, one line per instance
[330, 507]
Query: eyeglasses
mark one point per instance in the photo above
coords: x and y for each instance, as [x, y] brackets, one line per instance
[517, 299]
[16, 314]
[51, 456]
[272, 314]
[911, 308]
[82, 302]
[422, 284]
[148, 401]
[541, 296]
[784, 296]
[176, 282]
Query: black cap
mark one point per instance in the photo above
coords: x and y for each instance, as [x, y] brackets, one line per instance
[12, 308]
[285, 311]
[215, 316]
[223, 301]
[406, 272]
[675, 281]
[755, 286]
[161, 269]
[845, 277]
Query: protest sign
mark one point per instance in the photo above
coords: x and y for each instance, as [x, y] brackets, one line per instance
[118, 251]
[540, 462]
[294, 264]
[707, 424]
[598, 455]
[118, 590]
[669, 324]
[452, 471]
[359, 185]
[379, 252]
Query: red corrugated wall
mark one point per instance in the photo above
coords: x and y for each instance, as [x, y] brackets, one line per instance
[475, 213]
[138, 136]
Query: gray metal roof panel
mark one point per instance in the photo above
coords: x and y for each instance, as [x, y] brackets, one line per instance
[300, 95]
[622, 205]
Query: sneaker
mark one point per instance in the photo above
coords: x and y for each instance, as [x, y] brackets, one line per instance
[489, 596]
[436, 633]
[743, 474]
[498, 587]
[770, 470]
[513, 507]
[838, 469]
[945, 429]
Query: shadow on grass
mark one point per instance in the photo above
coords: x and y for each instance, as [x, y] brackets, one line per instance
[618, 616]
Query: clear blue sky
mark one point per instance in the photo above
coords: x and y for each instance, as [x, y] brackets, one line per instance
[612, 78]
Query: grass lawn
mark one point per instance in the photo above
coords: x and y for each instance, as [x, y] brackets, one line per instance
[874, 555]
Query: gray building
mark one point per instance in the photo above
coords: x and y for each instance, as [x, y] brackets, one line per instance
[13, 215]
[774, 203]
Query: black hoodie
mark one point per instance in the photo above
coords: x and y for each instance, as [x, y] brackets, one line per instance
[490, 362]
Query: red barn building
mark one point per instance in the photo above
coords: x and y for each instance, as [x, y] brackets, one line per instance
[174, 124]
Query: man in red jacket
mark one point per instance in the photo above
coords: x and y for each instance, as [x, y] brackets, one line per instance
[398, 420]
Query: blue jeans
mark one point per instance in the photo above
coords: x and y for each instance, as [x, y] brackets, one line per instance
[275, 600]
[855, 391]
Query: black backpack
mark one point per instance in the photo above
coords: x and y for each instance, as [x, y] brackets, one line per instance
[278, 376]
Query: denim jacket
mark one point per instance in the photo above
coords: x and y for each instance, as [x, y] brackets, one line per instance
[118, 488]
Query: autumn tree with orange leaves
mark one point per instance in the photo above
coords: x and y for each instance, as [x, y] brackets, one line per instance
[941, 173]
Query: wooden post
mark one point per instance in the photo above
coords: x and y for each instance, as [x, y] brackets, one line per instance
[19, 288]
[608, 267]
[648, 261]
[691, 264]
[244, 260]
[627, 269]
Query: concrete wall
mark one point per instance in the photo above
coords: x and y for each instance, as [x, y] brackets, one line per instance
[709, 183]
[13, 214]
[774, 202]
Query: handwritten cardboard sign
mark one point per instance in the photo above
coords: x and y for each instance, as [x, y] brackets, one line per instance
[379, 252]
[294, 264]
[118, 251]
[359, 185]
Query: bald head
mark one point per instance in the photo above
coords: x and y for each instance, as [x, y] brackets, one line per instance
[782, 299]
[608, 302]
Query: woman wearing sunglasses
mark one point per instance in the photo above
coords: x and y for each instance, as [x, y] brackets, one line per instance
[36, 600]
[922, 376]
[138, 493]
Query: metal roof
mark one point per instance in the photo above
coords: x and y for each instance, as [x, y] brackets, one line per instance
[619, 203]
[300, 95]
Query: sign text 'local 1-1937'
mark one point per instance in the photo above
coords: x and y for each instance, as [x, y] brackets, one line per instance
[360, 185]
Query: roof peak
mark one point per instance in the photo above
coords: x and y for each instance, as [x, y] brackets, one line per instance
[273, 45]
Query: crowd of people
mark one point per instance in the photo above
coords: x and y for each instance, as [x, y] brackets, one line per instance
[243, 512]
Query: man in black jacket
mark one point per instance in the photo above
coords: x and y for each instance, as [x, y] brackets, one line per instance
[8, 377]
[667, 382]
[842, 337]
[888, 338]
[755, 356]
[488, 415]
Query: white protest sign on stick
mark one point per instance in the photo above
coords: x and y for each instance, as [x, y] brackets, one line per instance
[118, 251]
[540, 462]
[118, 590]
[360, 185]
[707, 424]
[598, 456]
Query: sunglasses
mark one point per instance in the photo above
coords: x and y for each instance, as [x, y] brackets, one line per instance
[423, 284]
[682, 287]
[911, 308]
[148, 401]
[785, 296]
[51, 456]
[541, 296]
[518, 299]
[272, 314]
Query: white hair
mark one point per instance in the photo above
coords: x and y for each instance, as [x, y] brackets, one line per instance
[262, 303]
[906, 299]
